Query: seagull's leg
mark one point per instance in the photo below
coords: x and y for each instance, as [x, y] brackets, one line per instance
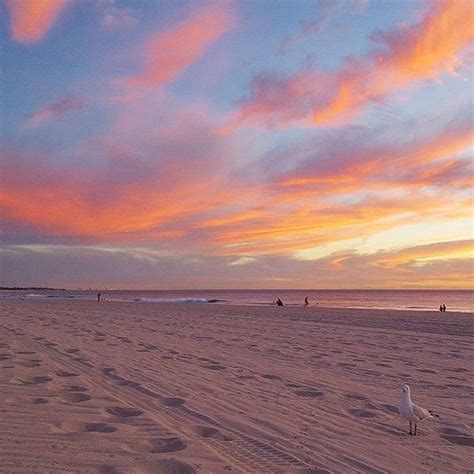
[415, 430]
[410, 429]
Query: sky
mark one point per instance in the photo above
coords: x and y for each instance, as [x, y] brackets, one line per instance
[237, 144]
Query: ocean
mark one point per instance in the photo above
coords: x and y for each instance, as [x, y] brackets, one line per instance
[415, 300]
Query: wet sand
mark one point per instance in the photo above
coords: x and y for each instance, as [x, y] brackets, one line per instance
[181, 388]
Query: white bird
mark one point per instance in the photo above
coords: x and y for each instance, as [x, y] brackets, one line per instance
[413, 413]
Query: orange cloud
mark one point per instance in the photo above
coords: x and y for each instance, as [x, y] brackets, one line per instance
[427, 253]
[406, 57]
[32, 19]
[422, 51]
[436, 265]
[179, 211]
[177, 187]
[62, 203]
[177, 204]
[310, 221]
[409, 164]
[408, 170]
[174, 50]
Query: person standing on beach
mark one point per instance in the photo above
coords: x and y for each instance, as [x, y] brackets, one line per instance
[444, 308]
[98, 296]
[306, 301]
[441, 307]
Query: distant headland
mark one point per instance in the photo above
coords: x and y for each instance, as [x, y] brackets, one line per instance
[30, 288]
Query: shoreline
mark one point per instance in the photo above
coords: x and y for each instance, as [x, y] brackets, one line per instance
[104, 300]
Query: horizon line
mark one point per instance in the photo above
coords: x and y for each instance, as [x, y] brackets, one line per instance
[48, 288]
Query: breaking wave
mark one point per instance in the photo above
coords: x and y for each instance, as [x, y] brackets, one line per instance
[176, 300]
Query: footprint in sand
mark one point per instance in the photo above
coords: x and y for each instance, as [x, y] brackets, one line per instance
[245, 377]
[75, 388]
[35, 380]
[214, 367]
[270, 377]
[63, 373]
[108, 370]
[157, 446]
[310, 393]
[84, 427]
[110, 469]
[455, 436]
[173, 402]
[124, 412]
[75, 397]
[40, 401]
[163, 466]
[29, 363]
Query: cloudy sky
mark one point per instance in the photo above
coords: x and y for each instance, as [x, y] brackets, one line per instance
[237, 144]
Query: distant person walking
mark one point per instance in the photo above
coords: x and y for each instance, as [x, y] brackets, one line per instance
[306, 301]
[98, 296]
[444, 307]
[441, 307]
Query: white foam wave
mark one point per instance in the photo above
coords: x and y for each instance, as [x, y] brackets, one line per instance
[175, 300]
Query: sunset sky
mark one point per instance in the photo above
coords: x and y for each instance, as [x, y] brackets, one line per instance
[252, 144]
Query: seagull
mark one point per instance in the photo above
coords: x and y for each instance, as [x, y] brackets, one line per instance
[413, 413]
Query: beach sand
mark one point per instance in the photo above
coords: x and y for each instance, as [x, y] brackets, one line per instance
[181, 388]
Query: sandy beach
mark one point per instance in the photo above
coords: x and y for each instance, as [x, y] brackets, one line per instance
[181, 388]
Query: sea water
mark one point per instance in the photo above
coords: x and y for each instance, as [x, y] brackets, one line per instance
[421, 300]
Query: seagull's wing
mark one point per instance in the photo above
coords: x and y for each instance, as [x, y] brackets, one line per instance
[421, 413]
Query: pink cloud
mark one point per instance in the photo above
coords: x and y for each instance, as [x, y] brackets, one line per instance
[31, 19]
[172, 51]
[59, 107]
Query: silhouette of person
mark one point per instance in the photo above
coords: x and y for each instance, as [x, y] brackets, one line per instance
[306, 301]
[441, 307]
[444, 307]
[98, 296]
